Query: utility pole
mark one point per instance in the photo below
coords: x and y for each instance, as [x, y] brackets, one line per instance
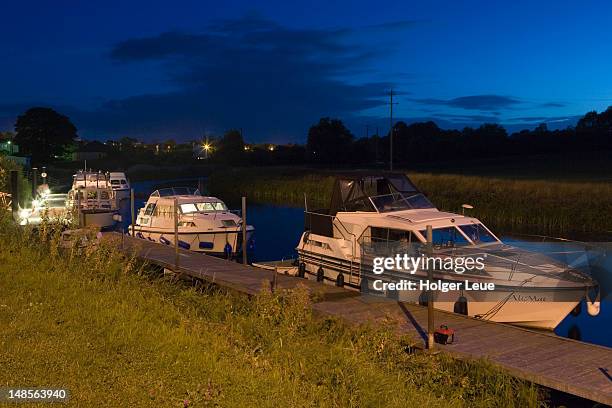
[391, 103]
[376, 148]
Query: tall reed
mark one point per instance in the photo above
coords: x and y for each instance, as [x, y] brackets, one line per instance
[570, 209]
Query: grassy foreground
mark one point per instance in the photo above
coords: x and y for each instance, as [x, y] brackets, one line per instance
[553, 208]
[116, 334]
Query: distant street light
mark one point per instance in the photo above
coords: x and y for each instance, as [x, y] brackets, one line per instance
[207, 148]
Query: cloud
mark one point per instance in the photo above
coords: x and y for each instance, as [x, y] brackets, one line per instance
[552, 105]
[475, 102]
[470, 118]
[528, 119]
[271, 80]
[540, 119]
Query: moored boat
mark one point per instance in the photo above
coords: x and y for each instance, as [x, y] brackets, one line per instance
[378, 216]
[91, 200]
[205, 224]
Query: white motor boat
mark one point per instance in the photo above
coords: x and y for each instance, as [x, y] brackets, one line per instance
[120, 183]
[92, 200]
[385, 215]
[204, 223]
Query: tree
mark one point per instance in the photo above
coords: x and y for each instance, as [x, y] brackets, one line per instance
[127, 144]
[231, 147]
[44, 134]
[329, 141]
[8, 135]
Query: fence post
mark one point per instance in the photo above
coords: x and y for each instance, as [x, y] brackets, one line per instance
[176, 247]
[244, 232]
[430, 306]
[78, 192]
[132, 210]
[34, 182]
[15, 193]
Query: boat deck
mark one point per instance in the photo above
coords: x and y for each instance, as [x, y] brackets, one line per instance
[578, 368]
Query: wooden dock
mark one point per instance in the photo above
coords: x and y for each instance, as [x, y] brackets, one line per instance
[566, 365]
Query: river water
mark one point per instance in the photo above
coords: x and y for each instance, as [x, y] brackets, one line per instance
[278, 229]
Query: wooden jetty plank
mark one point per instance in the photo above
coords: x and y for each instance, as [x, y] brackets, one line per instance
[242, 278]
[555, 362]
[566, 365]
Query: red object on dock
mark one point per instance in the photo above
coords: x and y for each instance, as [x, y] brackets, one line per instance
[444, 335]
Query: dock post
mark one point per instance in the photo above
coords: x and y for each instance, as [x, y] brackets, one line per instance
[132, 210]
[176, 246]
[244, 232]
[430, 306]
[34, 182]
[78, 192]
[15, 193]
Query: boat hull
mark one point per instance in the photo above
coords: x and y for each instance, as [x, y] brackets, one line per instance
[541, 308]
[102, 220]
[209, 242]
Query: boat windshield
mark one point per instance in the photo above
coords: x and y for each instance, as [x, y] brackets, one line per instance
[172, 191]
[398, 202]
[477, 233]
[446, 237]
[203, 207]
[451, 236]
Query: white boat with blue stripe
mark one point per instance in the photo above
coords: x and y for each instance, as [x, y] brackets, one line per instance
[205, 224]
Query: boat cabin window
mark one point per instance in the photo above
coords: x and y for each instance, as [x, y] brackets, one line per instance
[446, 237]
[150, 208]
[115, 182]
[478, 233]
[388, 234]
[211, 207]
[189, 208]
[202, 207]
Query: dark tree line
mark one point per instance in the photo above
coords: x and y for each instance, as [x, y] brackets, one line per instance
[330, 143]
[47, 135]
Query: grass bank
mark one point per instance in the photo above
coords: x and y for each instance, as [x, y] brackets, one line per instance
[557, 208]
[116, 334]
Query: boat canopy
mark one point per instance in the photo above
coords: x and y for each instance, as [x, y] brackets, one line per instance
[382, 192]
[175, 191]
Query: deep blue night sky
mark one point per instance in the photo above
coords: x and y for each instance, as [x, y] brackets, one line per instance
[182, 69]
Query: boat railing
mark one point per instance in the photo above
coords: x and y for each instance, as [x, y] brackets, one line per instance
[320, 223]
